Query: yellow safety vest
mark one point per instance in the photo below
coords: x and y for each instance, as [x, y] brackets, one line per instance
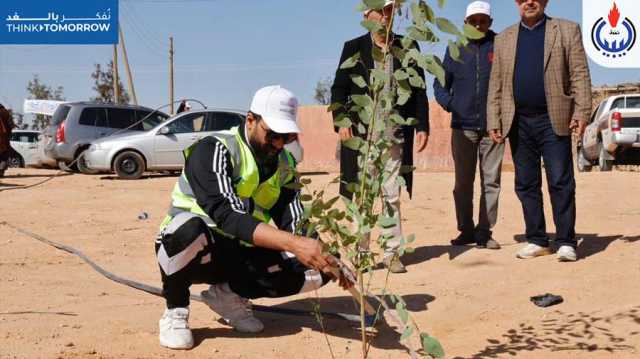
[245, 179]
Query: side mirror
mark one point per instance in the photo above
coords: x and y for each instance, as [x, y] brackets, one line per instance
[164, 131]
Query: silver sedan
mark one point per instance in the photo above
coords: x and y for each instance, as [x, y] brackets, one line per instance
[160, 149]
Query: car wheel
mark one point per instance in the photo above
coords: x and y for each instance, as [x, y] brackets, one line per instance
[16, 161]
[82, 166]
[604, 164]
[129, 165]
[584, 165]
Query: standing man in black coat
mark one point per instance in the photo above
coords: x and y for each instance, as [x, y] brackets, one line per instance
[416, 107]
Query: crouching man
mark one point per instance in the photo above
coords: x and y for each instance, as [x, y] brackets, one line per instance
[216, 232]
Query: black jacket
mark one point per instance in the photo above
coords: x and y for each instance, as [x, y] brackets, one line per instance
[467, 85]
[342, 90]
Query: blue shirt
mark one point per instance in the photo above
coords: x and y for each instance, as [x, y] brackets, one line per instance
[528, 78]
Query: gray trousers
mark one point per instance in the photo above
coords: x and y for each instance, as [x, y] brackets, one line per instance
[391, 192]
[468, 147]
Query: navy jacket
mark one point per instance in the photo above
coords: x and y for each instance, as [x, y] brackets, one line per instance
[467, 85]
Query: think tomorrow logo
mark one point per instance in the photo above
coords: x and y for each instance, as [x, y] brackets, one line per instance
[612, 38]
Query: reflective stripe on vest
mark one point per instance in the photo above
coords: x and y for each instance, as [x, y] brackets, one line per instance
[245, 179]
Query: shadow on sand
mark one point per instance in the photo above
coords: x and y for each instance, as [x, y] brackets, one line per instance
[277, 325]
[578, 332]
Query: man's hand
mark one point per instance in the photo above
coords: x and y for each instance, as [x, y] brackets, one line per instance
[309, 252]
[496, 136]
[578, 126]
[422, 138]
[345, 133]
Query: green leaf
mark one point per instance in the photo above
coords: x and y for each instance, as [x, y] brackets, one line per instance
[454, 51]
[397, 119]
[401, 181]
[463, 41]
[402, 312]
[372, 26]
[400, 75]
[441, 3]
[362, 100]
[342, 121]
[428, 11]
[350, 62]
[407, 333]
[417, 81]
[411, 238]
[406, 169]
[472, 33]
[306, 198]
[387, 222]
[353, 143]
[447, 26]
[434, 67]
[411, 121]
[331, 202]
[358, 80]
[365, 114]
[415, 34]
[352, 187]
[294, 186]
[406, 42]
[377, 54]
[334, 106]
[403, 98]
[379, 75]
[431, 346]
[404, 87]
[374, 4]
[419, 17]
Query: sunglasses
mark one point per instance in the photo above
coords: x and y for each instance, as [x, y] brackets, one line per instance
[272, 136]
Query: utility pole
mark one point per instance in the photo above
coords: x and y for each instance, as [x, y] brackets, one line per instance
[171, 73]
[132, 89]
[116, 89]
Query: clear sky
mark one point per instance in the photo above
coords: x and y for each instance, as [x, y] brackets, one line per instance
[226, 49]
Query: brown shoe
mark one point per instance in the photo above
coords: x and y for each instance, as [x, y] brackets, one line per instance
[394, 264]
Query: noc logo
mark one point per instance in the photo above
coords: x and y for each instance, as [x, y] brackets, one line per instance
[613, 38]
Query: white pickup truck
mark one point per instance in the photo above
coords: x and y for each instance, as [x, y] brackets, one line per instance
[613, 136]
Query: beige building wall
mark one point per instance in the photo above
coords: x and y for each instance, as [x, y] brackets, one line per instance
[320, 141]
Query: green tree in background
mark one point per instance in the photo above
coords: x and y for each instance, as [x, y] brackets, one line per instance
[41, 91]
[322, 93]
[103, 85]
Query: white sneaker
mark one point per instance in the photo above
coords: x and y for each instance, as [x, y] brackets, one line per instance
[234, 309]
[174, 329]
[533, 250]
[567, 254]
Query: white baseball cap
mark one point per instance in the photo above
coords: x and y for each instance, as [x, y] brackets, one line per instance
[386, 3]
[278, 107]
[478, 7]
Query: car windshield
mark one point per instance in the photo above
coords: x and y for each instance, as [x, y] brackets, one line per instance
[150, 121]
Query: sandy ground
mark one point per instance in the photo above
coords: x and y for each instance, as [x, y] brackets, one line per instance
[475, 301]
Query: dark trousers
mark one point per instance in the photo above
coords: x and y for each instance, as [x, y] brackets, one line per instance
[532, 137]
[189, 252]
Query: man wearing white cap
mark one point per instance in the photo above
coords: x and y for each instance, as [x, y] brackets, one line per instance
[464, 94]
[344, 88]
[216, 232]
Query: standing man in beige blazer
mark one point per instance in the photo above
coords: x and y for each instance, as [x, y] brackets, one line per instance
[540, 91]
